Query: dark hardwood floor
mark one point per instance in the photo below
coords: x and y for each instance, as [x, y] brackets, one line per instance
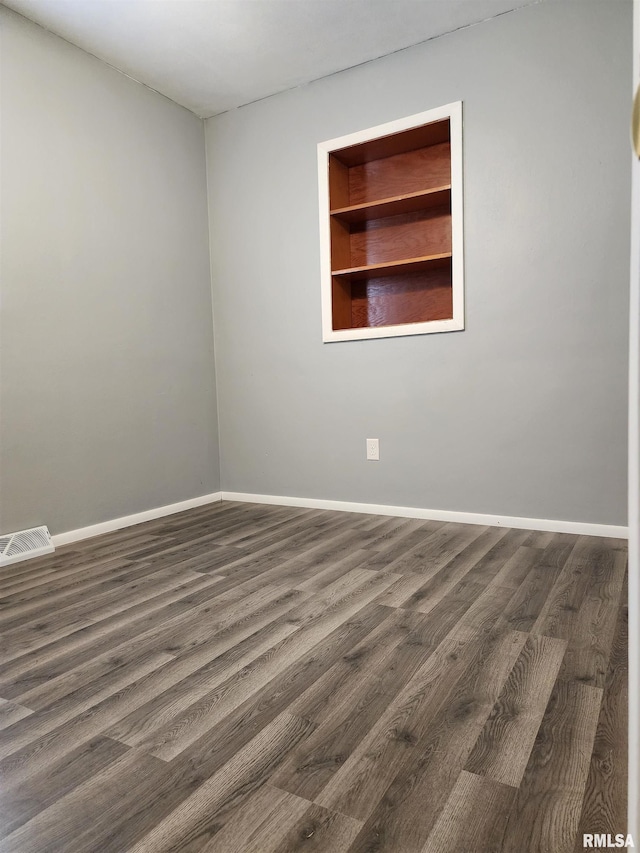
[256, 679]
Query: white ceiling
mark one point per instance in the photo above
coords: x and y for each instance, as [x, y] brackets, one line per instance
[214, 55]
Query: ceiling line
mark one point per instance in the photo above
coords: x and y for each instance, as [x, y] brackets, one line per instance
[204, 118]
[373, 59]
[98, 59]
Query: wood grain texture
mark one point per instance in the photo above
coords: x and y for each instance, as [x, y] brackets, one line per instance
[320, 830]
[124, 672]
[433, 133]
[63, 825]
[404, 203]
[341, 255]
[348, 701]
[145, 722]
[472, 818]
[338, 183]
[391, 238]
[503, 747]
[63, 655]
[341, 301]
[589, 646]
[11, 712]
[529, 598]
[393, 268]
[203, 814]
[434, 551]
[557, 617]
[258, 827]
[255, 678]
[401, 298]
[549, 799]
[382, 755]
[273, 821]
[25, 801]
[410, 171]
[440, 569]
[604, 807]
[406, 812]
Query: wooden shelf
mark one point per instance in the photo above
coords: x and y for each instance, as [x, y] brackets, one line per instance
[406, 265]
[379, 147]
[391, 224]
[407, 203]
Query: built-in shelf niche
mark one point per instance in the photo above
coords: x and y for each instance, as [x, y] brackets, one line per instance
[391, 228]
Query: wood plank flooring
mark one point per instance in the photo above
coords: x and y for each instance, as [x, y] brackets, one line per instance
[257, 679]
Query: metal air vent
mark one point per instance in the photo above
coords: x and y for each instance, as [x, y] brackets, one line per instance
[25, 544]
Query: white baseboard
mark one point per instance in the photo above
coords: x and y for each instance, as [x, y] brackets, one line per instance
[130, 520]
[550, 525]
[553, 526]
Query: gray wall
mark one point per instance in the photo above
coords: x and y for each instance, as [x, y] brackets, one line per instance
[523, 413]
[108, 392]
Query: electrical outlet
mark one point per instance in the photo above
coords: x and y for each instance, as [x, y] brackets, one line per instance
[373, 449]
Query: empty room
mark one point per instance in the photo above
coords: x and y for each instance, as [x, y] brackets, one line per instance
[319, 428]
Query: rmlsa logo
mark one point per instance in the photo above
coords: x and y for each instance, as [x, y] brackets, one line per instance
[603, 840]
